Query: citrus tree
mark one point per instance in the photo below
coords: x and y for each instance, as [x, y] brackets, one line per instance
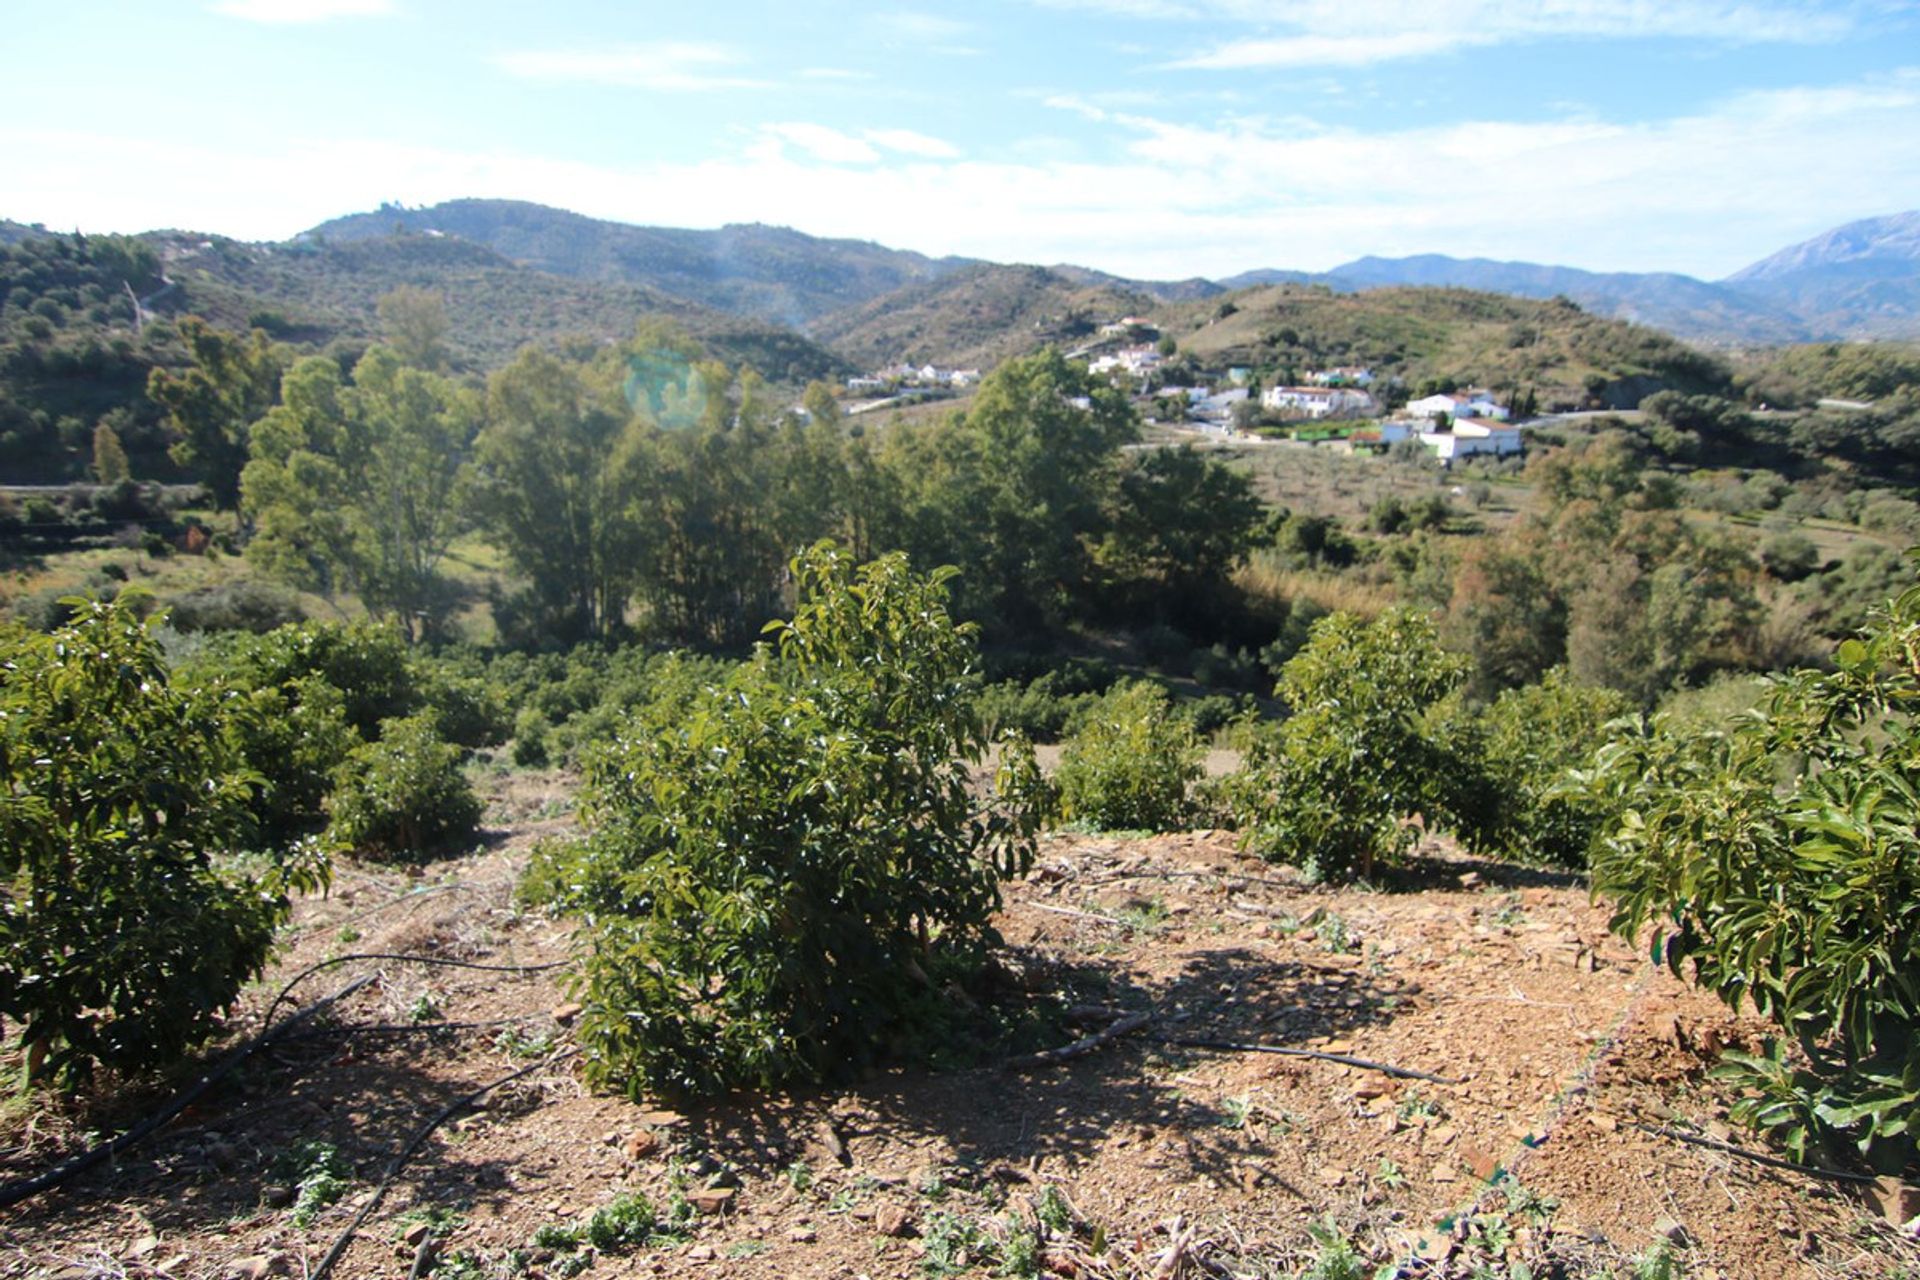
[781, 870]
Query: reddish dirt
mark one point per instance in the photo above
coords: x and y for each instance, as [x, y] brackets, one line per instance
[1175, 1160]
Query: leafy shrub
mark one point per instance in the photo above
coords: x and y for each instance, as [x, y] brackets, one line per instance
[404, 796]
[1520, 762]
[1332, 788]
[241, 605]
[1780, 859]
[776, 871]
[122, 935]
[1130, 764]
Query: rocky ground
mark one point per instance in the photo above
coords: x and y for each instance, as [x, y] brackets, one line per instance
[1562, 1066]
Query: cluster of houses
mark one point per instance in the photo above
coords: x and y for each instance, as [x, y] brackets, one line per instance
[905, 377]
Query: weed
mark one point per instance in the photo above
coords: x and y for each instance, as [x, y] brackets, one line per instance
[1389, 1175]
[1235, 1112]
[423, 1009]
[320, 1175]
[1661, 1262]
[1524, 1200]
[568, 1267]
[464, 1265]
[1418, 1106]
[1053, 1211]
[1143, 917]
[1335, 935]
[934, 1185]
[1509, 914]
[516, 1043]
[561, 1239]
[622, 1222]
[349, 934]
[953, 1243]
[1491, 1234]
[438, 1219]
[800, 1176]
[1020, 1255]
[1334, 1257]
[747, 1249]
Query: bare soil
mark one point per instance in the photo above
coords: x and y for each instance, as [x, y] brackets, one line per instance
[1171, 1160]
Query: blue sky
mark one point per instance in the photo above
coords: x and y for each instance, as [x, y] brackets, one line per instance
[1160, 138]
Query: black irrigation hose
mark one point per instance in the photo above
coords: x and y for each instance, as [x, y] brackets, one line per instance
[1758, 1157]
[414, 1144]
[441, 961]
[14, 1192]
[415, 1028]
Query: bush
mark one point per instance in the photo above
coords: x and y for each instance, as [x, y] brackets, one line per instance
[777, 872]
[1332, 789]
[1129, 766]
[241, 605]
[1531, 740]
[124, 933]
[404, 797]
[1780, 859]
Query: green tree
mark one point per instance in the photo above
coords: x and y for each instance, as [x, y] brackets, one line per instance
[779, 871]
[414, 322]
[125, 931]
[109, 458]
[1181, 525]
[213, 403]
[361, 486]
[1018, 491]
[1131, 763]
[557, 465]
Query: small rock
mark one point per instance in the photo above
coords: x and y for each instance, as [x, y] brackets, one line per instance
[893, 1220]
[642, 1144]
[803, 1235]
[1673, 1231]
[1331, 1177]
[1604, 1123]
[711, 1200]
[661, 1119]
[416, 1233]
[1372, 1088]
[701, 1253]
[1471, 880]
[834, 1142]
[143, 1246]
[1443, 1172]
[1896, 1201]
[275, 1196]
[564, 1014]
[1479, 1163]
[259, 1266]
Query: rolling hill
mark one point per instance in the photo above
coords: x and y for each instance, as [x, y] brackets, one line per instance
[976, 317]
[1566, 354]
[774, 274]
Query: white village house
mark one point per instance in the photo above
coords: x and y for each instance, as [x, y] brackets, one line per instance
[1471, 436]
[1345, 375]
[1464, 404]
[1317, 402]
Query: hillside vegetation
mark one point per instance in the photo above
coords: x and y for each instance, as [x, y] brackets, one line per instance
[977, 317]
[771, 273]
[1568, 357]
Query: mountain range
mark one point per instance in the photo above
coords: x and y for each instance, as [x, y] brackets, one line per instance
[1858, 281]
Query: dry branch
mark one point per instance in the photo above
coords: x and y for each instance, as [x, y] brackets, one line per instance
[1113, 1031]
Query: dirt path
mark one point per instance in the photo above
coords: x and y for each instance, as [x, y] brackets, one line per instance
[1169, 1159]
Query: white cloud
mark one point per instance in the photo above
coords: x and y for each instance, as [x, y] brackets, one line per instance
[301, 11]
[907, 142]
[1704, 193]
[833, 73]
[829, 146]
[909, 25]
[1349, 33]
[667, 67]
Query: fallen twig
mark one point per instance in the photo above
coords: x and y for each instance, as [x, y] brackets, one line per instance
[1080, 915]
[444, 962]
[1385, 1068]
[1772, 1162]
[1087, 1044]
